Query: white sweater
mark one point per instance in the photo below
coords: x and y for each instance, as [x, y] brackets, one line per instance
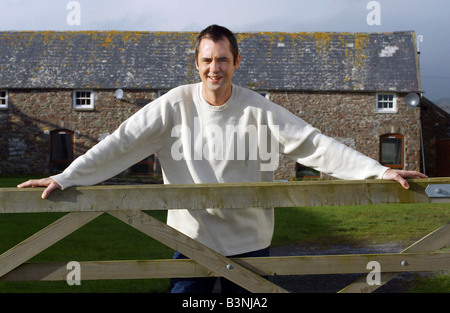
[193, 141]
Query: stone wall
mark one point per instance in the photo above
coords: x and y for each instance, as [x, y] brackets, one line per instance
[32, 115]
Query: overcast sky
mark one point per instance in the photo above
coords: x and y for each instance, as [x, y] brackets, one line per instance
[430, 18]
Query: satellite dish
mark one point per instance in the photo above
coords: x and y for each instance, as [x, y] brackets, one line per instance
[412, 99]
[118, 94]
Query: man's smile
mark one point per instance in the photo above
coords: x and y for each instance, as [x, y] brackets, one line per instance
[215, 78]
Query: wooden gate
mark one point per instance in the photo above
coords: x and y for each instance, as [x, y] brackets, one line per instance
[126, 203]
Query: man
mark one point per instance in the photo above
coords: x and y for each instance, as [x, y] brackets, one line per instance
[188, 128]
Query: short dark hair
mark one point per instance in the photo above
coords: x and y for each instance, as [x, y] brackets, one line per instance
[216, 33]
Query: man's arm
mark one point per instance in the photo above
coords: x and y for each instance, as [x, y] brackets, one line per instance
[48, 182]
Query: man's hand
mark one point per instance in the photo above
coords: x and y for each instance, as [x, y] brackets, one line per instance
[400, 175]
[48, 182]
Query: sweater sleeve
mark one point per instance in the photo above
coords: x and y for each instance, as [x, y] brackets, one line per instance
[328, 155]
[306, 145]
[135, 139]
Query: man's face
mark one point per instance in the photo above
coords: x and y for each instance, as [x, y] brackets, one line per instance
[216, 66]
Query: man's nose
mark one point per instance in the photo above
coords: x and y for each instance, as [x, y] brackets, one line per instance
[214, 66]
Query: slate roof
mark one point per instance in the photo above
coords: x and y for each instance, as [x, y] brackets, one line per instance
[162, 60]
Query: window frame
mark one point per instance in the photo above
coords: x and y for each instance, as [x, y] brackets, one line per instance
[5, 98]
[382, 109]
[91, 99]
[402, 157]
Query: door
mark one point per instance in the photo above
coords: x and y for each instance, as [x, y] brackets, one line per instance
[442, 164]
[61, 152]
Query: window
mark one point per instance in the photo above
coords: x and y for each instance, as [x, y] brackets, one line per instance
[391, 150]
[305, 172]
[3, 99]
[83, 99]
[61, 150]
[386, 103]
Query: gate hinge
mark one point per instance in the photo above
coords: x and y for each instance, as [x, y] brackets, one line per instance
[438, 191]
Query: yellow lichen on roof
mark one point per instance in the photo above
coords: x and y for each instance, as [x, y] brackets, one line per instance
[361, 41]
[355, 55]
[322, 42]
[243, 36]
[106, 39]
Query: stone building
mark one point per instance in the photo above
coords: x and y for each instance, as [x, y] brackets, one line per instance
[57, 90]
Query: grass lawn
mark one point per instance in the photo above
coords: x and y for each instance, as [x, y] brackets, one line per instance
[359, 225]
[106, 238]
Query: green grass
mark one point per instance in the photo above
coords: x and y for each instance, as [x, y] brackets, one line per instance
[439, 283]
[106, 238]
[13, 181]
[359, 225]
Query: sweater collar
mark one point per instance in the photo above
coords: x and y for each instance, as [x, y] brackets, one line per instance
[217, 108]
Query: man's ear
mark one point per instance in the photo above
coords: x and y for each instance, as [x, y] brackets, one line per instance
[196, 63]
[238, 62]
